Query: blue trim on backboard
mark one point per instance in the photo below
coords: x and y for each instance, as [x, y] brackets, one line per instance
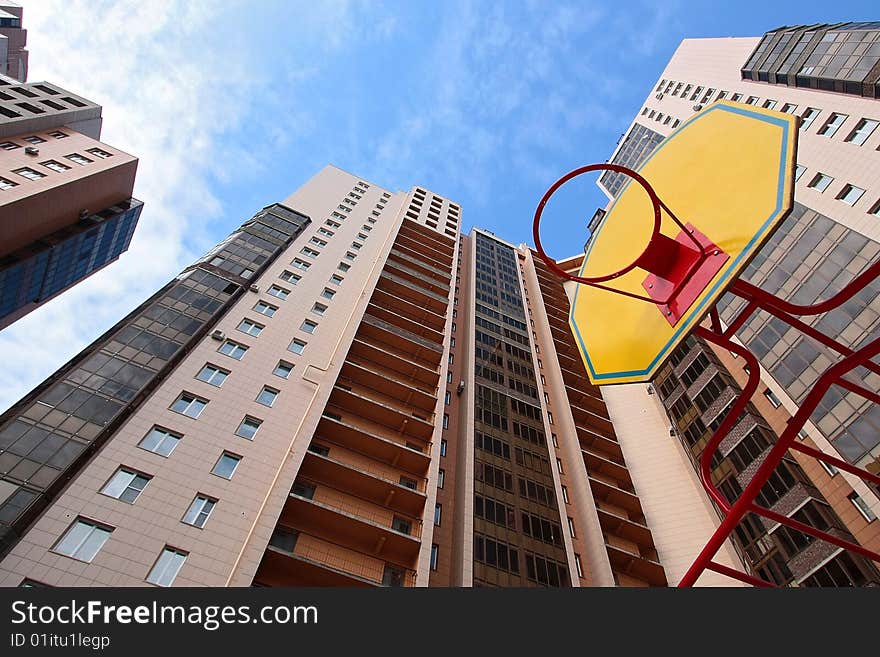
[697, 312]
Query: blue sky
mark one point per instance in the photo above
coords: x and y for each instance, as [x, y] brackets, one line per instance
[231, 105]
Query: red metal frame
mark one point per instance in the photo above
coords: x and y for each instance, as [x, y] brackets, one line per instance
[756, 299]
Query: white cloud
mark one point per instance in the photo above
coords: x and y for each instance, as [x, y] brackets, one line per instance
[153, 66]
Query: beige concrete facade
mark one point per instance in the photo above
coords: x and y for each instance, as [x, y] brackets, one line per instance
[676, 506]
[228, 550]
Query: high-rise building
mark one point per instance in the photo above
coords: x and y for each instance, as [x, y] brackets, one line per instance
[827, 75]
[345, 391]
[13, 39]
[66, 206]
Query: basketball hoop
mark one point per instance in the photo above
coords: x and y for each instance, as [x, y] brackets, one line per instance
[678, 269]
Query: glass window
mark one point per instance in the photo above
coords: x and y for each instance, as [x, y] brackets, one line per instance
[300, 264]
[821, 181]
[772, 398]
[250, 425]
[319, 308]
[859, 502]
[297, 346]
[7, 184]
[99, 153]
[160, 441]
[265, 309]
[336, 279]
[862, 131]
[850, 194]
[189, 405]
[198, 512]
[328, 293]
[232, 349]
[54, 165]
[213, 375]
[809, 116]
[249, 327]
[167, 567]
[799, 171]
[343, 266]
[832, 124]
[435, 554]
[126, 485]
[308, 326]
[30, 174]
[283, 369]
[278, 292]
[225, 467]
[290, 277]
[267, 396]
[78, 159]
[83, 540]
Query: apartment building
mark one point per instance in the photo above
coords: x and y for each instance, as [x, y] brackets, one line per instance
[66, 205]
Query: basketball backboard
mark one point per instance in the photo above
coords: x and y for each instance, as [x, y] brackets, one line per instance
[727, 174]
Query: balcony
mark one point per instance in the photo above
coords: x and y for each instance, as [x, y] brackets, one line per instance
[414, 312]
[583, 417]
[687, 361]
[702, 379]
[314, 561]
[412, 292]
[596, 442]
[388, 383]
[608, 490]
[352, 527]
[719, 405]
[416, 277]
[347, 434]
[425, 247]
[387, 358]
[378, 330]
[417, 263]
[361, 480]
[603, 465]
[416, 256]
[363, 403]
[624, 560]
[622, 526]
[414, 327]
[588, 397]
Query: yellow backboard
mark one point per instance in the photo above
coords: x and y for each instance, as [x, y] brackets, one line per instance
[729, 172]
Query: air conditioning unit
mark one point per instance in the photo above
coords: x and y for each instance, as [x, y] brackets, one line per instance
[254, 287]
[460, 387]
[672, 431]
[218, 335]
[650, 389]
[31, 150]
[697, 108]
[659, 96]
